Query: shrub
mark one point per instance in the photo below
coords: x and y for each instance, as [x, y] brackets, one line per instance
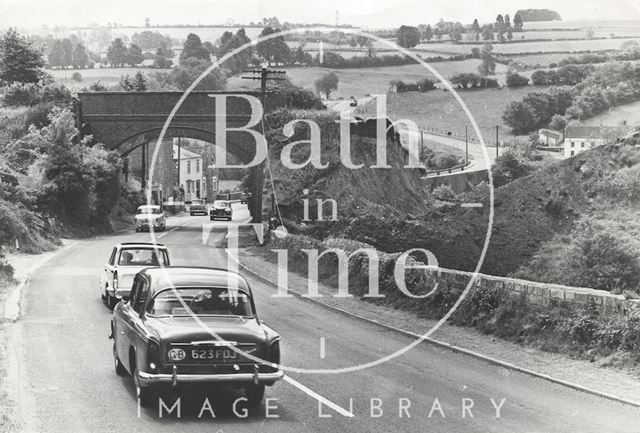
[77, 77]
[444, 193]
[30, 94]
[516, 80]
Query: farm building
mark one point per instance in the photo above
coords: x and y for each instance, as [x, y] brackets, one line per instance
[550, 138]
[579, 138]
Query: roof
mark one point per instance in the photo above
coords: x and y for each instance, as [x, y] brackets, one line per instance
[586, 131]
[142, 245]
[551, 133]
[184, 153]
[180, 276]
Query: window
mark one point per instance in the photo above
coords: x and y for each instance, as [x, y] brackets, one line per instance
[200, 301]
[113, 256]
[572, 153]
[139, 295]
[582, 144]
[593, 143]
[197, 166]
[188, 167]
[573, 143]
[143, 257]
[198, 188]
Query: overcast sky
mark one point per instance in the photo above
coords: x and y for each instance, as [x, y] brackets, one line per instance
[28, 14]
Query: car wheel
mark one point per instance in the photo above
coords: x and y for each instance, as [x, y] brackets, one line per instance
[143, 393]
[211, 219]
[229, 219]
[120, 370]
[191, 213]
[254, 394]
[137, 230]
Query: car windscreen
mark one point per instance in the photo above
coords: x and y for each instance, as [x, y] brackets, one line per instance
[200, 301]
[149, 210]
[143, 257]
[221, 203]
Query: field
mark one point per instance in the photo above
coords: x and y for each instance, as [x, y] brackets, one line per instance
[362, 82]
[439, 110]
[107, 76]
[617, 116]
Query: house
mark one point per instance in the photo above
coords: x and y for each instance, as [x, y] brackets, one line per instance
[579, 138]
[550, 138]
[191, 177]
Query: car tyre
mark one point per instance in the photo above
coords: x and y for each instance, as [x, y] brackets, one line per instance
[212, 219]
[254, 394]
[120, 370]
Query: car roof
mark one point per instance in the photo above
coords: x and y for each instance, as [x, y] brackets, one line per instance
[182, 276]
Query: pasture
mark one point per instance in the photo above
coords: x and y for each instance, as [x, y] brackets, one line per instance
[107, 76]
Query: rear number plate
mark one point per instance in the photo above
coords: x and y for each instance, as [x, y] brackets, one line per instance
[217, 354]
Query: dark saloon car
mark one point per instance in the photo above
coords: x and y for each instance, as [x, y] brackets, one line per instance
[197, 206]
[221, 209]
[184, 326]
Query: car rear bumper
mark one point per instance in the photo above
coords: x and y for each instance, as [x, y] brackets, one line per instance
[148, 379]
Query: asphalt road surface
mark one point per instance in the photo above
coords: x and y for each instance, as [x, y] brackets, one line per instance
[68, 384]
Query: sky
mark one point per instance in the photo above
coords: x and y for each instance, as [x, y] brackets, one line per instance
[32, 14]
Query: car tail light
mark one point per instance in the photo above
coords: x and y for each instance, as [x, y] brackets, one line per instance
[153, 355]
[274, 352]
[114, 283]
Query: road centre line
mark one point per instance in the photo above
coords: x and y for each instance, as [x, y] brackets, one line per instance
[318, 397]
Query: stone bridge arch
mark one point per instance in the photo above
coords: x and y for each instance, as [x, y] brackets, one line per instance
[123, 121]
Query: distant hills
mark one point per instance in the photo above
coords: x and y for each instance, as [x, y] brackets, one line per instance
[539, 15]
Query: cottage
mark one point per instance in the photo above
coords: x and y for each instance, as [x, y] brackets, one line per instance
[550, 138]
[191, 173]
[580, 138]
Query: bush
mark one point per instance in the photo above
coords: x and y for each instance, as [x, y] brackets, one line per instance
[77, 77]
[516, 80]
[444, 193]
[507, 168]
[29, 94]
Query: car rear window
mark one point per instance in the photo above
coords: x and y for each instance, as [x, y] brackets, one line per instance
[201, 301]
[221, 203]
[143, 257]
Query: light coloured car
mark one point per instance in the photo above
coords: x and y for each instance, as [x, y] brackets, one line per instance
[149, 216]
[125, 261]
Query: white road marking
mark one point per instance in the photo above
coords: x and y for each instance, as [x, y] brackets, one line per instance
[471, 205]
[322, 347]
[318, 397]
[173, 229]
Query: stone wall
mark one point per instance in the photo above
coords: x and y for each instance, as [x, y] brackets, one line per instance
[541, 294]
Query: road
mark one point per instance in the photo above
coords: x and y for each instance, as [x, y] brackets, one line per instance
[67, 383]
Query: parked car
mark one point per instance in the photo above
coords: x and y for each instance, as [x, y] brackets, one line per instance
[353, 102]
[150, 216]
[187, 326]
[125, 261]
[244, 197]
[198, 206]
[221, 209]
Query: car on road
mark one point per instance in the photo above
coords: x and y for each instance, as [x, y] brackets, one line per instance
[244, 198]
[149, 216]
[221, 209]
[353, 102]
[125, 261]
[184, 326]
[197, 206]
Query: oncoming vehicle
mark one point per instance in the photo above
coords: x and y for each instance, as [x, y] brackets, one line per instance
[221, 209]
[197, 207]
[353, 102]
[125, 261]
[244, 198]
[187, 326]
[150, 216]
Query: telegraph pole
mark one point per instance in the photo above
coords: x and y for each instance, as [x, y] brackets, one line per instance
[466, 144]
[263, 75]
[497, 144]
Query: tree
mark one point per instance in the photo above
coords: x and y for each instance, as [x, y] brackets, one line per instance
[136, 84]
[190, 69]
[509, 34]
[507, 168]
[487, 32]
[230, 42]
[80, 57]
[488, 65]
[500, 19]
[517, 23]
[327, 84]
[56, 54]
[134, 55]
[193, 48]
[408, 36]
[19, 60]
[428, 33]
[475, 26]
[516, 80]
[117, 53]
[274, 50]
[67, 56]
[507, 21]
[520, 117]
